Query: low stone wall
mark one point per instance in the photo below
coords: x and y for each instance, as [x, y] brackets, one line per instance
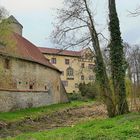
[13, 100]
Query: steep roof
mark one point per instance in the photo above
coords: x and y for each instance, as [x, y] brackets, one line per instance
[12, 19]
[60, 52]
[24, 49]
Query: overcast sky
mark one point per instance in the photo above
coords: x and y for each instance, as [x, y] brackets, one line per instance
[37, 16]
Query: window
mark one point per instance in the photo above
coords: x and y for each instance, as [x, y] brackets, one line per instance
[53, 60]
[30, 86]
[45, 87]
[7, 64]
[57, 88]
[82, 65]
[65, 83]
[76, 85]
[90, 66]
[67, 61]
[70, 71]
[91, 77]
[82, 77]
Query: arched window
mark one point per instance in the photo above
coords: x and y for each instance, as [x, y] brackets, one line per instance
[70, 71]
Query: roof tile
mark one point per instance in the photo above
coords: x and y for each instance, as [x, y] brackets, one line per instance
[60, 52]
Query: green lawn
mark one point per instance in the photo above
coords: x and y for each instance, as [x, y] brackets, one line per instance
[125, 127]
[36, 112]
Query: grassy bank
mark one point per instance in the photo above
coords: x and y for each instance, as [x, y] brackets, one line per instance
[36, 112]
[126, 127]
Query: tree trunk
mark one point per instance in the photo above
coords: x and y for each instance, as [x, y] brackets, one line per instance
[101, 73]
[102, 78]
[118, 67]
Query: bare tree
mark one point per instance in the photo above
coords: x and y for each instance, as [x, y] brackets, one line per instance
[3, 26]
[136, 12]
[134, 63]
[3, 13]
[106, 57]
[76, 27]
[133, 60]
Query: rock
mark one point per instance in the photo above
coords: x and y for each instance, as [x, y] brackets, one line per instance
[2, 125]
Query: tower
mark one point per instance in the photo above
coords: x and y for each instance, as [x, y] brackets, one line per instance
[15, 26]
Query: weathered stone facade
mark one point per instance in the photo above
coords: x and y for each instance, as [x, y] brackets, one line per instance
[24, 74]
[27, 78]
[13, 100]
[28, 84]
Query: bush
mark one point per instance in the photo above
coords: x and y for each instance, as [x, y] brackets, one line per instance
[74, 96]
[89, 90]
[129, 87]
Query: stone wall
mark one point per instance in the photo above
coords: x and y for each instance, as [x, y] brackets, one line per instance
[16, 81]
[17, 28]
[12, 100]
[22, 74]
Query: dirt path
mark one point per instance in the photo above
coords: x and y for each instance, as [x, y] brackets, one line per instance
[63, 118]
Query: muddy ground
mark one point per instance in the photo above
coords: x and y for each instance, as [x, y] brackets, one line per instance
[63, 118]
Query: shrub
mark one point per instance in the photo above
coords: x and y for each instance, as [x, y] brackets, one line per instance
[74, 96]
[89, 90]
[129, 87]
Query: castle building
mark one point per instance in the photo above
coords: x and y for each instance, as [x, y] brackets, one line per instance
[76, 66]
[27, 78]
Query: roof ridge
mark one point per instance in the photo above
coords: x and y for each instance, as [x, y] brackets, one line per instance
[59, 49]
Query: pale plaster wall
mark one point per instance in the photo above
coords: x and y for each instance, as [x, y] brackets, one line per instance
[75, 63]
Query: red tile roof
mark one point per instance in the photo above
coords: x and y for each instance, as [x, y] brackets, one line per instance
[60, 52]
[26, 50]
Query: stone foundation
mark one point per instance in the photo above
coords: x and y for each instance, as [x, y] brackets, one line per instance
[13, 100]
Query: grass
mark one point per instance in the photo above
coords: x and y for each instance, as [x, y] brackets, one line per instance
[126, 127]
[36, 112]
